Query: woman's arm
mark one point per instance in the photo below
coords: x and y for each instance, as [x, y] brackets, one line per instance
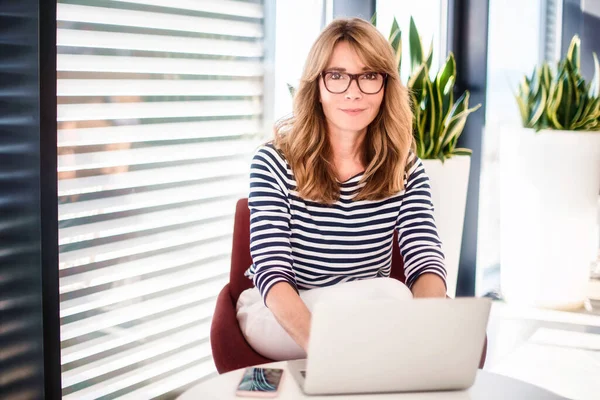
[418, 239]
[270, 247]
[429, 285]
[290, 311]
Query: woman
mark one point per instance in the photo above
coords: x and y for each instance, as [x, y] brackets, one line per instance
[328, 193]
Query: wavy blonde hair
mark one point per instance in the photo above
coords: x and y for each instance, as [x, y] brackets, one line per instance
[303, 140]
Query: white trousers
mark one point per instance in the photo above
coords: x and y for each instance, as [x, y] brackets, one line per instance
[267, 336]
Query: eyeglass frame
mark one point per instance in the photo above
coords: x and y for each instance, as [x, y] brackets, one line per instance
[352, 78]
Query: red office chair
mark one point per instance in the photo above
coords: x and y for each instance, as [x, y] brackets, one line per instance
[229, 347]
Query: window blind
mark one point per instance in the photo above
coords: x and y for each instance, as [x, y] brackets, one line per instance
[160, 106]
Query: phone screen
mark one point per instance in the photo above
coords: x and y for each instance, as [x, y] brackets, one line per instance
[265, 380]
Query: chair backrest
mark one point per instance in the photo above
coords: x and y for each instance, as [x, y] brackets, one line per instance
[241, 259]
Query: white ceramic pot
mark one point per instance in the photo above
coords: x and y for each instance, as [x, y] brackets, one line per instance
[449, 182]
[549, 234]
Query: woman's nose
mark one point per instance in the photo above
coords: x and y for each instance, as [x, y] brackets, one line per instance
[353, 91]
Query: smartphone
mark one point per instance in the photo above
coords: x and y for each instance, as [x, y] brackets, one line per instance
[260, 382]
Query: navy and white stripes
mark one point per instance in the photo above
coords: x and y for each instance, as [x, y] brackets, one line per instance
[312, 245]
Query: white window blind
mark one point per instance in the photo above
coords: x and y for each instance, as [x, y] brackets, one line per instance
[160, 106]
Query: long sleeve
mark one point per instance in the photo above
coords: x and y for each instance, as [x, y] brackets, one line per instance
[269, 222]
[419, 242]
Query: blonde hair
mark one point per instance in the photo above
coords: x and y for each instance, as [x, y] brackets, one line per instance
[303, 140]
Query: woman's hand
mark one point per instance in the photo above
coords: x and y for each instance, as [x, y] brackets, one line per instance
[290, 311]
[429, 285]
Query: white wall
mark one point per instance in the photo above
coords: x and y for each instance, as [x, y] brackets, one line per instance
[298, 23]
[430, 19]
[513, 50]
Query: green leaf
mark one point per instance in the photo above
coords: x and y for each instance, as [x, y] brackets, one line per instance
[415, 82]
[536, 81]
[538, 108]
[595, 85]
[573, 54]
[374, 19]
[430, 55]
[292, 90]
[590, 113]
[454, 115]
[416, 48]
[434, 115]
[462, 152]
[569, 95]
[546, 75]
[417, 132]
[524, 111]
[579, 112]
[445, 82]
[396, 43]
[456, 126]
[555, 96]
[437, 119]
[447, 71]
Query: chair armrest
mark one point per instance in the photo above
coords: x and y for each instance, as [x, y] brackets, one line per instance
[229, 347]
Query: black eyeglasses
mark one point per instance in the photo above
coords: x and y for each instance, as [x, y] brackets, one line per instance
[368, 82]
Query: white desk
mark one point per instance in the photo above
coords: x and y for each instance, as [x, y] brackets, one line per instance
[487, 386]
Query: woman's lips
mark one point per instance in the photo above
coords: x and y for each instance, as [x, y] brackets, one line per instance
[353, 111]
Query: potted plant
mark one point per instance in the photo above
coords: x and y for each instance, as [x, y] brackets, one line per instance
[550, 181]
[439, 120]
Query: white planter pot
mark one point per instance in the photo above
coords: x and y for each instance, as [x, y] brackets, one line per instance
[449, 182]
[549, 234]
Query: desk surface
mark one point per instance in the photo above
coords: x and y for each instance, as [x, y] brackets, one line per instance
[487, 386]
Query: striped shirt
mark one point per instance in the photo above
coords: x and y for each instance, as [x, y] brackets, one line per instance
[311, 245]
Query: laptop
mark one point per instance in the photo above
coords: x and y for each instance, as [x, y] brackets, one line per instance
[381, 346]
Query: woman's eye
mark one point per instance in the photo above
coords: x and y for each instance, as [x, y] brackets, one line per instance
[370, 76]
[335, 75]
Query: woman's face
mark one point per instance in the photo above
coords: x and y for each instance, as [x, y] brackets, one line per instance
[352, 111]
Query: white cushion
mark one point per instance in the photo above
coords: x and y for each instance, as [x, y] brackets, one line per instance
[268, 338]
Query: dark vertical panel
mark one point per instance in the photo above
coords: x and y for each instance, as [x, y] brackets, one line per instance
[572, 20]
[354, 8]
[49, 197]
[590, 42]
[29, 362]
[587, 25]
[467, 39]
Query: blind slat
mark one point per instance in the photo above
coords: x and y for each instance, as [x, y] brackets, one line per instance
[157, 21]
[143, 87]
[156, 65]
[226, 7]
[154, 155]
[157, 132]
[158, 43]
[158, 109]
